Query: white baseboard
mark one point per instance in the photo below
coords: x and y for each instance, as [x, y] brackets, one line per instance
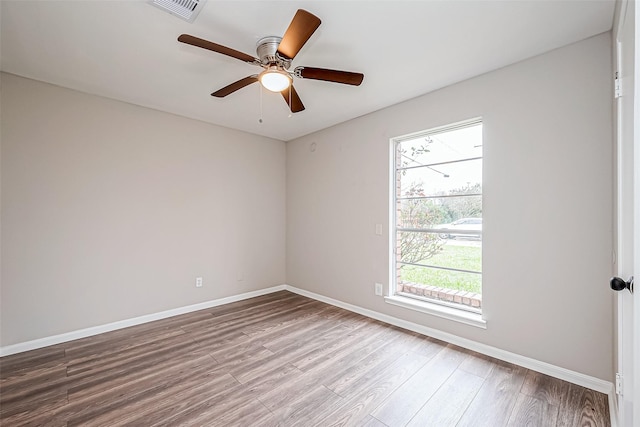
[83, 333]
[583, 380]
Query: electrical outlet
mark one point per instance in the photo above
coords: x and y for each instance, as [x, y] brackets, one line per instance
[198, 282]
[379, 229]
[379, 289]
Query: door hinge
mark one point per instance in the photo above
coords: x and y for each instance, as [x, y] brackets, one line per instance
[617, 86]
[619, 384]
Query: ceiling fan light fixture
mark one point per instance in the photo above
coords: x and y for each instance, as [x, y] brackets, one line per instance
[275, 80]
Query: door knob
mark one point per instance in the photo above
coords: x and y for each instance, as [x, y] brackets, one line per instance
[618, 284]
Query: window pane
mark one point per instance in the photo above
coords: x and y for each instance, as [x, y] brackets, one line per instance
[445, 279]
[464, 253]
[438, 196]
[451, 213]
[442, 147]
[442, 180]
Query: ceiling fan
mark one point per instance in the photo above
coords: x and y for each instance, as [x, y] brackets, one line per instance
[275, 55]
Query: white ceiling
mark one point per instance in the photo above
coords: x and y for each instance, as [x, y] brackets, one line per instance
[127, 50]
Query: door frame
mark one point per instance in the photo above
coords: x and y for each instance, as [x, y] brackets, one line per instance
[625, 410]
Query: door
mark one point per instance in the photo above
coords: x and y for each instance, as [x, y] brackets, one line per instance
[628, 224]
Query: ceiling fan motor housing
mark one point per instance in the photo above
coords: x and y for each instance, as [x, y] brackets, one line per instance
[267, 48]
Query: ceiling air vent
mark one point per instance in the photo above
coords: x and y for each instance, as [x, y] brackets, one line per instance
[185, 9]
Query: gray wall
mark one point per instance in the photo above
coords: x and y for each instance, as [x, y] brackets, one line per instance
[547, 205]
[110, 211]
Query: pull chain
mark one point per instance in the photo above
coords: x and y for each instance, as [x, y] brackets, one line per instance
[260, 119]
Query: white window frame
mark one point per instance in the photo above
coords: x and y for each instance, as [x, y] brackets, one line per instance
[433, 307]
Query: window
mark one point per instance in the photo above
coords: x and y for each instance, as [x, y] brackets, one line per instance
[437, 218]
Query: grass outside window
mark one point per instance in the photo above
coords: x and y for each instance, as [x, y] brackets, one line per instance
[452, 255]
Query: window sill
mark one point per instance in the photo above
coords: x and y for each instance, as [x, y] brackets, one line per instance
[450, 313]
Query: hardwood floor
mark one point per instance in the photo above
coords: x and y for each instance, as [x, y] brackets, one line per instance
[280, 360]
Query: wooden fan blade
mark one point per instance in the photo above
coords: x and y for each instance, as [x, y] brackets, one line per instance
[227, 90]
[302, 26]
[336, 76]
[205, 44]
[296, 103]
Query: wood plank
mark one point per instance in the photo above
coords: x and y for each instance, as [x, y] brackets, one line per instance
[583, 407]
[339, 351]
[47, 387]
[446, 406]
[407, 400]
[308, 332]
[160, 390]
[183, 401]
[278, 328]
[346, 362]
[333, 365]
[122, 402]
[495, 400]
[409, 341]
[16, 364]
[346, 384]
[478, 364]
[310, 409]
[261, 315]
[88, 405]
[529, 411]
[545, 388]
[270, 379]
[110, 380]
[235, 411]
[374, 390]
[167, 344]
[242, 315]
[370, 421]
[598, 414]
